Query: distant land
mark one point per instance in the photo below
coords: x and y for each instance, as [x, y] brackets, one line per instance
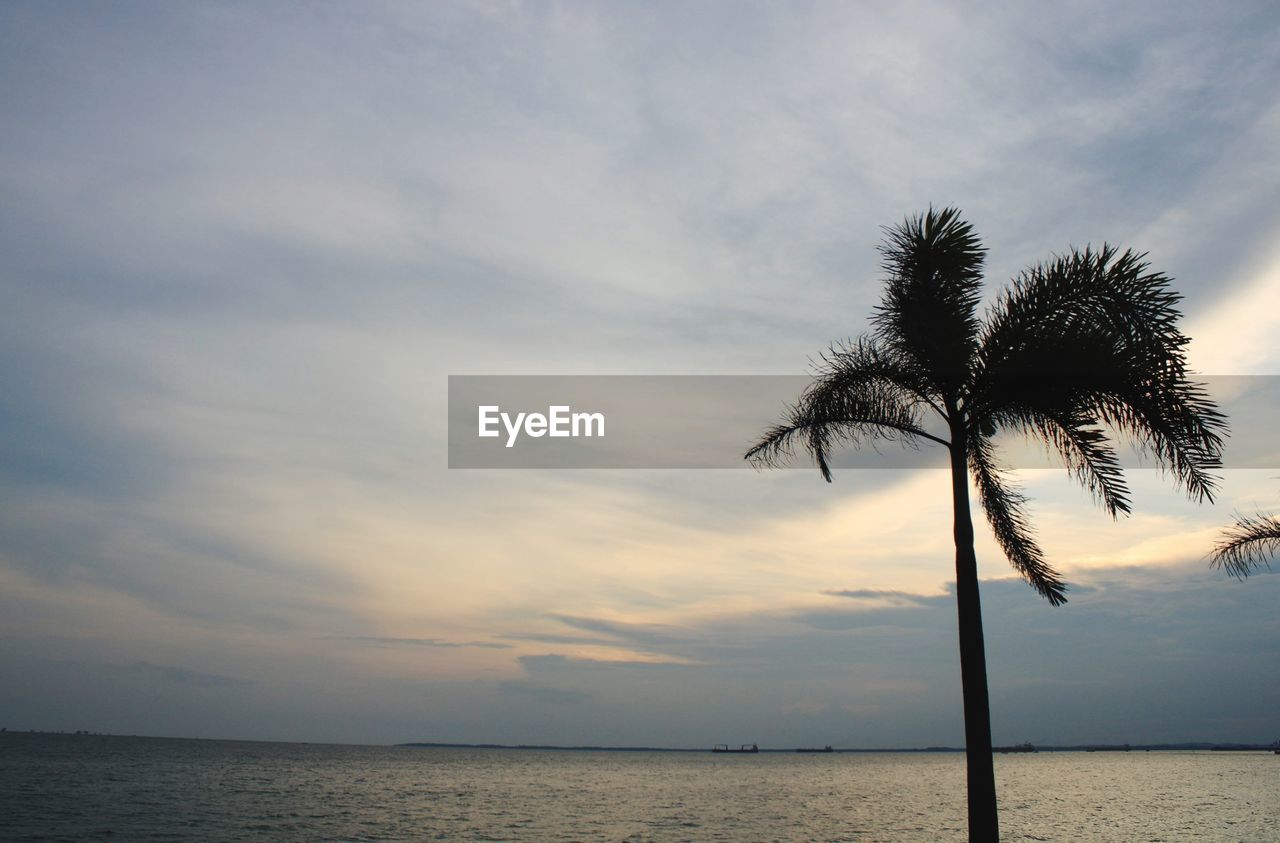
[1218, 747]
[1189, 745]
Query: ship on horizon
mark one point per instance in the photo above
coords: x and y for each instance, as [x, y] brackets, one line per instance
[1022, 747]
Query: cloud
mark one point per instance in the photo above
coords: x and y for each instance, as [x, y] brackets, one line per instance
[556, 663]
[544, 694]
[243, 249]
[182, 676]
[1237, 335]
[632, 632]
[878, 596]
[552, 638]
[421, 642]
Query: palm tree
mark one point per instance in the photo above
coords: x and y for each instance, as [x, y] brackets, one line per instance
[1248, 543]
[1079, 348]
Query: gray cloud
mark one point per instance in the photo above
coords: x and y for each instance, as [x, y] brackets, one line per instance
[901, 598]
[421, 642]
[878, 675]
[555, 663]
[544, 694]
[553, 638]
[242, 249]
[635, 633]
[180, 675]
[1132, 635]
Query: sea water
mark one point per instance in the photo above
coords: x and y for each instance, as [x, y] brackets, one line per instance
[85, 787]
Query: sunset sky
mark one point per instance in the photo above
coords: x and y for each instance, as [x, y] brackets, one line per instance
[243, 247]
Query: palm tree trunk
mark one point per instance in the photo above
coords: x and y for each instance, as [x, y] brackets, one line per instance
[983, 823]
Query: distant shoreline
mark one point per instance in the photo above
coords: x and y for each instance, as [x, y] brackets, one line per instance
[1190, 746]
[1185, 746]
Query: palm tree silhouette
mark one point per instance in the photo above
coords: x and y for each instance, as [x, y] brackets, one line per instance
[1081, 346]
[1248, 543]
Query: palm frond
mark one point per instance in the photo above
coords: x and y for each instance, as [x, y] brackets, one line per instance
[1091, 338]
[928, 315]
[1250, 542]
[1104, 290]
[1084, 447]
[860, 394]
[1004, 505]
[1178, 424]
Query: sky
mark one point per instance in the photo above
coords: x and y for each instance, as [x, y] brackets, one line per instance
[244, 246]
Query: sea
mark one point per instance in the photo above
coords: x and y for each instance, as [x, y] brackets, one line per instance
[86, 787]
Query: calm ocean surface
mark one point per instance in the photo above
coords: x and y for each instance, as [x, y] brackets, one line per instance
[75, 787]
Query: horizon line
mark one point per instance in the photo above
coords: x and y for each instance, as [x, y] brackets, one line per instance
[1079, 747]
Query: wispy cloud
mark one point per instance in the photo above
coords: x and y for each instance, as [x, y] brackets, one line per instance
[877, 596]
[244, 247]
[633, 632]
[182, 676]
[420, 642]
[544, 693]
